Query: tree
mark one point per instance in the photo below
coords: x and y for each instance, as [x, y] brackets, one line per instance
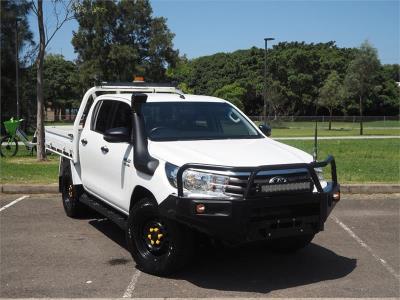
[234, 93]
[361, 75]
[60, 83]
[45, 36]
[330, 94]
[296, 69]
[14, 22]
[119, 39]
[276, 97]
[389, 96]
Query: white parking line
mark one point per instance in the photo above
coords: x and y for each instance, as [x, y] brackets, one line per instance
[368, 248]
[13, 202]
[131, 287]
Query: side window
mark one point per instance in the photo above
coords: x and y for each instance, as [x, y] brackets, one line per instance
[102, 116]
[122, 116]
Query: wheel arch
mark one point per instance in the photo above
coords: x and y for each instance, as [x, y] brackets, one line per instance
[139, 193]
[73, 169]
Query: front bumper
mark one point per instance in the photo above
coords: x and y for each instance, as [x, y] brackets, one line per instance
[256, 219]
[249, 219]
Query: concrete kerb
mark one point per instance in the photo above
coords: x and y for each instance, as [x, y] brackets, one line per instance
[370, 188]
[345, 188]
[29, 188]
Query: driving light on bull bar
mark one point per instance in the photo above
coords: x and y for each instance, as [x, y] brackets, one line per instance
[286, 187]
[197, 183]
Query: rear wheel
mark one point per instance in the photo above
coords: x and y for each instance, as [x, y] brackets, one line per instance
[70, 194]
[9, 146]
[158, 246]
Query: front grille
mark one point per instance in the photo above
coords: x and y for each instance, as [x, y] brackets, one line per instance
[270, 182]
[237, 185]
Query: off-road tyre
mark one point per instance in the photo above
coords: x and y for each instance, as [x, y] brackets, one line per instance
[71, 193]
[290, 244]
[176, 242]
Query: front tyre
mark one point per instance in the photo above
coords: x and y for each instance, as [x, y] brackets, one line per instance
[158, 246]
[9, 146]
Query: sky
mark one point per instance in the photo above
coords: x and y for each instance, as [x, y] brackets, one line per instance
[205, 27]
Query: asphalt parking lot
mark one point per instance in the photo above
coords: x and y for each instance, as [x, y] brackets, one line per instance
[46, 254]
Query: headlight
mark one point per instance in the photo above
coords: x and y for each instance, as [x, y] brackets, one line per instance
[171, 171]
[320, 174]
[198, 184]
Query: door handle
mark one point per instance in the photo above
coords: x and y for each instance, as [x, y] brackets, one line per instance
[104, 149]
[84, 142]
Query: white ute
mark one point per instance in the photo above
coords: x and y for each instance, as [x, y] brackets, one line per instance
[169, 167]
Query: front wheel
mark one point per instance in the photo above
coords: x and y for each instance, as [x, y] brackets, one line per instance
[158, 246]
[9, 146]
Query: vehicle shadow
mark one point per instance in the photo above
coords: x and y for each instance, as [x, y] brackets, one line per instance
[254, 268]
[109, 229]
[251, 268]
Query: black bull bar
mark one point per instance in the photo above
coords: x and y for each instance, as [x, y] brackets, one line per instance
[310, 167]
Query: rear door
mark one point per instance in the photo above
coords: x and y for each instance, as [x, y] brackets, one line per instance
[106, 167]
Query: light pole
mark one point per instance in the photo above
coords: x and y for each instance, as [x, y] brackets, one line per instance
[265, 78]
[17, 66]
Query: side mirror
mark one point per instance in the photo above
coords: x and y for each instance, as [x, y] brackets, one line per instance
[265, 129]
[117, 135]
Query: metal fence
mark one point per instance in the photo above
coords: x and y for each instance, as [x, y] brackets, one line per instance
[323, 121]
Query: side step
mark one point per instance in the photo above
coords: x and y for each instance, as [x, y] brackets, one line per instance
[104, 209]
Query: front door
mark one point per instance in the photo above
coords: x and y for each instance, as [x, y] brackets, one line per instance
[107, 168]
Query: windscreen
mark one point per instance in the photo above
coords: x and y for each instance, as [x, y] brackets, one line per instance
[168, 121]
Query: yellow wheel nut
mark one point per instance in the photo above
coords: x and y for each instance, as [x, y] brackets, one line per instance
[152, 229]
[159, 236]
[155, 229]
[157, 242]
[149, 236]
[152, 242]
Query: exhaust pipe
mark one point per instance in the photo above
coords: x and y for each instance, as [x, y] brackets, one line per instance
[142, 159]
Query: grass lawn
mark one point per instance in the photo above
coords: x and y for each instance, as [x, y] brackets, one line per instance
[298, 128]
[358, 161]
[23, 168]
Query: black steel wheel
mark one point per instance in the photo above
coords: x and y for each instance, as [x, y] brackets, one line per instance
[9, 146]
[158, 246]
